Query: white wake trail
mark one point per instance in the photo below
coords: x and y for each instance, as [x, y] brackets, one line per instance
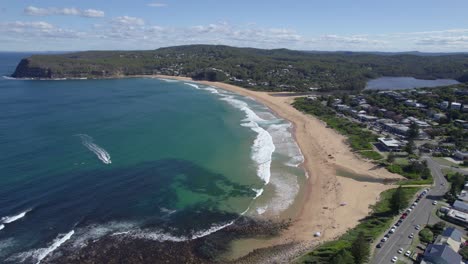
[101, 153]
[13, 218]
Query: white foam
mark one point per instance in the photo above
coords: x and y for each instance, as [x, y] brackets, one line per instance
[42, 253]
[263, 147]
[211, 90]
[2, 226]
[167, 211]
[8, 77]
[286, 188]
[286, 144]
[211, 230]
[193, 85]
[101, 153]
[94, 232]
[258, 192]
[262, 210]
[11, 219]
[39, 254]
[168, 80]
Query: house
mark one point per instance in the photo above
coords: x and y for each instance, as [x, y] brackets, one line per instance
[455, 106]
[465, 108]
[367, 118]
[438, 116]
[397, 129]
[444, 105]
[462, 123]
[461, 155]
[463, 196]
[458, 216]
[460, 206]
[441, 254]
[451, 237]
[390, 144]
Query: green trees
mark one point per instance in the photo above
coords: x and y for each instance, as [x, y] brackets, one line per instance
[360, 249]
[457, 182]
[397, 201]
[464, 252]
[343, 257]
[413, 131]
[426, 235]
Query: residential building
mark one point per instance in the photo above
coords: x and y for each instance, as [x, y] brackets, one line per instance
[441, 254]
[367, 118]
[461, 155]
[460, 206]
[451, 237]
[444, 105]
[390, 144]
[458, 216]
[455, 106]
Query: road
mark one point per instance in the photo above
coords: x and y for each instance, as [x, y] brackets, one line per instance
[421, 215]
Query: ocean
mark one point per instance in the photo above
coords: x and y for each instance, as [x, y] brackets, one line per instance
[140, 158]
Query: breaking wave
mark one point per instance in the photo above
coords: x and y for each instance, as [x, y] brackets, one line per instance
[2, 226]
[263, 147]
[100, 152]
[38, 255]
[193, 85]
[13, 218]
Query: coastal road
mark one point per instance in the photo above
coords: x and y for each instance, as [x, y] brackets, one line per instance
[421, 215]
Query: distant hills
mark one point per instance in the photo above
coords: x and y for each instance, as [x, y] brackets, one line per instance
[260, 69]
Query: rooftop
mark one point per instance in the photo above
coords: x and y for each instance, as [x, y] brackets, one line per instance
[442, 252]
[390, 142]
[453, 233]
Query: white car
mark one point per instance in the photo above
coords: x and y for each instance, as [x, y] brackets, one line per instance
[411, 235]
[400, 251]
[392, 231]
[394, 259]
[417, 227]
[408, 253]
[434, 203]
[384, 239]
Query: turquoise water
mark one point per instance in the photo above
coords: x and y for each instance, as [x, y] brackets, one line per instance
[143, 158]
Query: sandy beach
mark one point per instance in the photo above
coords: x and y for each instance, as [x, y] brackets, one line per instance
[331, 204]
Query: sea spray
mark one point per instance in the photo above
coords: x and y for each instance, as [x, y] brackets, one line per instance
[101, 153]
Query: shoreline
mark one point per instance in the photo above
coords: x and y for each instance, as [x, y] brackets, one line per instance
[331, 204]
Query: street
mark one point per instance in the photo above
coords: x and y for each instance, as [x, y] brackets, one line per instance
[421, 215]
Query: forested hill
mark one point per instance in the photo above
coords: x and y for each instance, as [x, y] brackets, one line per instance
[278, 69]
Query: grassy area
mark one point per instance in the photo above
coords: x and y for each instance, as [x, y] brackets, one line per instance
[359, 137]
[370, 154]
[415, 182]
[373, 226]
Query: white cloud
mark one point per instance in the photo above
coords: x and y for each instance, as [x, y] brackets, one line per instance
[157, 4]
[36, 30]
[128, 21]
[71, 11]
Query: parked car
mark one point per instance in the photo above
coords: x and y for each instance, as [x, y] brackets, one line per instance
[408, 253]
[434, 203]
[394, 259]
[384, 239]
[379, 245]
[392, 231]
[400, 251]
[411, 235]
[417, 227]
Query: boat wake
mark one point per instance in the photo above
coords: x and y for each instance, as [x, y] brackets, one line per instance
[100, 152]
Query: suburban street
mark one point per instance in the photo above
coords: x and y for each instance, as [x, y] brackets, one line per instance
[421, 215]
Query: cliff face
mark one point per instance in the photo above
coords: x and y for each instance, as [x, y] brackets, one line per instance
[25, 70]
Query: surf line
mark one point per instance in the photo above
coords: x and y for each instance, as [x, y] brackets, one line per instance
[101, 153]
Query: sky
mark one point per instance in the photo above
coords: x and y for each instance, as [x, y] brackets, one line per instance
[328, 25]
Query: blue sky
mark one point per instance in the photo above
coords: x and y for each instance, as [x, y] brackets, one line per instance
[358, 25]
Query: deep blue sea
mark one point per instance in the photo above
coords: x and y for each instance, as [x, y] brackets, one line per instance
[143, 158]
